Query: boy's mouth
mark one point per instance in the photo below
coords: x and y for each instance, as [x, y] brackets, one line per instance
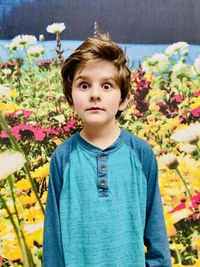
[94, 108]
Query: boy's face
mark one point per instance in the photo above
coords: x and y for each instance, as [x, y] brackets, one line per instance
[95, 93]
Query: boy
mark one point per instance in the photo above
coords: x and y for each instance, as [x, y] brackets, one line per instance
[103, 200]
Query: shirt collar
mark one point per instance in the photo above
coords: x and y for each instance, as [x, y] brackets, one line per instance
[94, 149]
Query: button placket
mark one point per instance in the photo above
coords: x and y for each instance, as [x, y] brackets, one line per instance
[102, 182]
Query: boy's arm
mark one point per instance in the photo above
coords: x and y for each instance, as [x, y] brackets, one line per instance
[52, 243]
[155, 235]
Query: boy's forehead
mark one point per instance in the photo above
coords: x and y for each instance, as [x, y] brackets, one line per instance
[95, 63]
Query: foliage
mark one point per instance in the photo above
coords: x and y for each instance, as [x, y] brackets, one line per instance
[165, 100]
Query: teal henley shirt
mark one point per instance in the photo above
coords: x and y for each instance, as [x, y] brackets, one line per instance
[104, 205]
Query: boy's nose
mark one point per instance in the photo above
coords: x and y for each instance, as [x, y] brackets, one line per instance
[95, 94]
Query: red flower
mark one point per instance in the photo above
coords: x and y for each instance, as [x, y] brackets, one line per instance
[178, 98]
[69, 125]
[197, 93]
[195, 201]
[196, 112]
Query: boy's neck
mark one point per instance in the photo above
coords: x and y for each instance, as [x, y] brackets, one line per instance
[101, 137]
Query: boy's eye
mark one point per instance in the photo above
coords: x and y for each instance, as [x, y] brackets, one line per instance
[83, 85]
[107, 86]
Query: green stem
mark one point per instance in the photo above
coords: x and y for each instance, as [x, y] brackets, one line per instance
[178, 256]
[17, 147]
[27, 251]
[183, 180]
[198, 148]
[16, 229]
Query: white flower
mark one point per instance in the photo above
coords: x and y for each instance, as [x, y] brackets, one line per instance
[24, 39]
[181, 47]
[158, 62]
[196, 67]
[188, 134]
[180, 66]
[187, 148]
[56, 28]
[10, 162]
[41, 38]
[7, 71]
[12, 46]
[169, 160]
[4, 91]
[36, 50]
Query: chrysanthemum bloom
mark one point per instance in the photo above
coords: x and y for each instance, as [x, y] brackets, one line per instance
[187, 148]
[36, 51]
[196, 66]
[170, 161]
[10, 162]
[41, 38]
[158, 62]
[56, 28]
[4, 91]
[188, 134]
[24, 40]
[181, 47]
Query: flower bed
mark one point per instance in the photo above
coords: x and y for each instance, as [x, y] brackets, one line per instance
[35, 118]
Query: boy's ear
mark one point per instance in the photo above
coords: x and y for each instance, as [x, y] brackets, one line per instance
[124, 104]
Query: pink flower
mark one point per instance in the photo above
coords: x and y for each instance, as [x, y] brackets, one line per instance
[39, 135]
[69, 125]
[196, 112]
[197, 93]
[26, 113]
[4, 134]
[195, 202]
[178, 98]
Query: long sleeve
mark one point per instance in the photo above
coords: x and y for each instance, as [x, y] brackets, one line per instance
[155, 236]
[52, 242]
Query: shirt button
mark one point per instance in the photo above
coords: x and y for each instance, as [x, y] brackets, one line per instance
[103, 167]
[102, 156]
[102, 182]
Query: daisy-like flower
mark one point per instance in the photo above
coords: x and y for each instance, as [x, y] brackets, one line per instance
[56, 28]
[4, 91]
[12, 46]
[41, 38]
[24, 40]
[196, 66]
[188, 134]
[188, 148]
[10, 162]
[181, 47]
[36, 51]
[158, 62]
[180, 66]
[170, 161]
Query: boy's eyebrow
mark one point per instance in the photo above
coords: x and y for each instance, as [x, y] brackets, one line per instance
[80, 77]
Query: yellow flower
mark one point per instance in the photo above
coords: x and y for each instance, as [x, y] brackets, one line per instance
[23, 185]
[196, 242]
[27, 201]
[3, 108]
[41, 172]
[13, 93]
[175, 246]
[171, 230]
[180, 214]
[34, 232]
[196, 103]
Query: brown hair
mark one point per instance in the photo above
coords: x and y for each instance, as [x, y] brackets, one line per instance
[97, 48]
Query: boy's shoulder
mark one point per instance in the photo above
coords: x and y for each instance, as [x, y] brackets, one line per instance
[65, 148]
[136, 143]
